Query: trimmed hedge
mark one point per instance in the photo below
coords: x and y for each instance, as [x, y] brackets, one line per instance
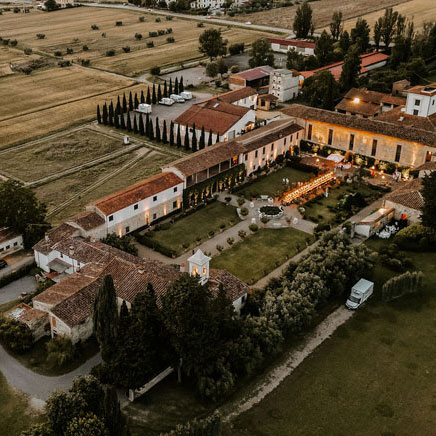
[210, 426]
[149, 242]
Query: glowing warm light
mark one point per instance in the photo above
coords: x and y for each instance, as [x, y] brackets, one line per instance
[304, 188]
[356, 100]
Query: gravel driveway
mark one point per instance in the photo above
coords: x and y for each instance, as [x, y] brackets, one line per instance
[13, 290]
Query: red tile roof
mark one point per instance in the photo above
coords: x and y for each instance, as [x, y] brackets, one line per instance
[255, 73]
[54, 236]
[408, 195]
[6, 234]
[135, 193]
[233, 96]
[88, 220]
[301, 43]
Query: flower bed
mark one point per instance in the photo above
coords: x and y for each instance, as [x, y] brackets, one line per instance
[271, 211]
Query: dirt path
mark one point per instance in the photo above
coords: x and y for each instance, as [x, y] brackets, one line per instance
[322, 332]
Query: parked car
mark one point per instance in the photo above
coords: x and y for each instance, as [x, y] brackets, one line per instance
[360, 292]
[177, 98]
[3, 263]
[248, 23]
[144, 108]
[167, 101]
[186, 95]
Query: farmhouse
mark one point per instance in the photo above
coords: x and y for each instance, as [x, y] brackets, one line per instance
[255, 78]
[10, 242]
[284, 45]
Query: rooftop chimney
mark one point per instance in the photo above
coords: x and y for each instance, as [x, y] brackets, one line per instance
[46, 236]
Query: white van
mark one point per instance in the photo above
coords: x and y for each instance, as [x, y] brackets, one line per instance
[186, 95]
[360, 292]
[177, 98]
[167, 101]
[144, 108]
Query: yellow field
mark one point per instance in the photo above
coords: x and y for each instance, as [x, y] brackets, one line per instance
[9, 56]
[71, 28]
[420, 11]
[322, 12]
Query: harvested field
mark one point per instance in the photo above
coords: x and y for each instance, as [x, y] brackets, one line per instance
[9, 56]
[72, 29]
[50, 157]
[322, 12]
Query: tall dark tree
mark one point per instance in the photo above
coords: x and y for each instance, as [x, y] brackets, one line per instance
[142, 97]
[187, 144]
[181, 85]
[171, 133]
[118, 107]
[345, 42]
[122, 121]
[111, 114]
[124, 103]
[117, 118]
[179, 137]
[21, 211]
[303, 25]
[428, 191]
[131, 108]
[261, 53]
[321, 90]
[159, 93]
[164, 132]
[202, 142]
[389, 26]
[112, 411]
[105, 318]
[150, 129]
[401, 51]
[209, 141]
[141, 127]
[129, 122]
[148, 100]
[217, 138]
[194, 139]
[98, 114]
[360, 35]
[165, 90]
[154, 98]
[176, 86]
[157, 130]
[136, 100]
[170, 89]
[105, 114]
[336, 25]
[324, 48]
[212, 43]
[350, 69]
[135, 124]
[378, 29]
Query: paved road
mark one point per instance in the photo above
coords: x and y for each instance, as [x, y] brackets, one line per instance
[193, 17]
[13, 290]
[36, 385]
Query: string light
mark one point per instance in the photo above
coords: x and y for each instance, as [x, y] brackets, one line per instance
[309, 186]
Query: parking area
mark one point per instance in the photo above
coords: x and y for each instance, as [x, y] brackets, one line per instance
[16, 261]
[191, 76]
[14, 290]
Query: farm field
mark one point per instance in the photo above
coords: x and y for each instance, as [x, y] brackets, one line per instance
[49, 157]
[71, 28]
[322, 12]
[374, 376]
[9, 55]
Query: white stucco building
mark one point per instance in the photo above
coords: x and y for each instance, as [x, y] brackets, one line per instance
[10, 242]
[284, 45]
[284, 84]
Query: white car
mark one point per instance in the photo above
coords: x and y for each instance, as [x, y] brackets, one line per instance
[177, 98]
[248, 22]
[167, 101]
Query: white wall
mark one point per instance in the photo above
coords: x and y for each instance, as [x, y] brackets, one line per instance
[425, 105]
[43, 260]
[249, 102]
[10, 246]
[305, 51]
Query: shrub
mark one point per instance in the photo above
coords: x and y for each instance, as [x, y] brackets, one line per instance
[126, 49]
[228, 199]
[158, 20]
[28, 51]
[150, 44]
[242, 234]
[169, 18]
[244, 211]
[85, 62]
[15, 335]
[161, 32]
[13, 42]
[220, 248]
[103, 35]
[118, 23]
[230, 241]
[40, 35]
[171, 39]
[416, 237]
[16, 10]
[241, 201]
[152, 34]
[155, 71]
[60, 351]
[236, 49]
[69, 50]
[222, 226]
[138, 36]
[85, 48]
[94, 27]
[270, 210]
[169, 30]
[200, 24]
[407, 283]
[58, 53]
[141, 19]
[253, 227]
[264, 219]
[110, 52]
[211, 233]
[234, 69]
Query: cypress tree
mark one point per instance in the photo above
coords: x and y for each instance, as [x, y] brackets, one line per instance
[118, 108]
[147, 125]
[105, 318]
[181, 86]
[150, 130]
[136, 101]
[171, 133]
[179, 137]
[148, 96]
[187, 147]
[117, 118]
[105, 114]
[153, 98]
[159, 92]
[157, 130]
[130, 102]
[122, 122]
[124, 103]
[98, 114]
[165, 90]
[194, 139]
[141, 125]
[142, 97]
[112, 411]
[135, 124]
[217, 138]
[170, 90]
[111, 114]
[202, 139]
[164, 132]
[209, 141]
[176, 86]
[129, 122]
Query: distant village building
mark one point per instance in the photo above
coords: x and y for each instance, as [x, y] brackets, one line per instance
[284, 84]
[10, 242]
[254, 78]
[285, 45]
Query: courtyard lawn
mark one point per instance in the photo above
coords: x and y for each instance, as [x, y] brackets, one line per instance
[375, 376]
[322, 210]
[271, 184]
[261, 252]
[185, 233]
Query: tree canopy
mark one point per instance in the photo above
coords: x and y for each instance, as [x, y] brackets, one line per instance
[303, 25]
[321, 90]
[428, 216]
[212, 43]
[261, 54]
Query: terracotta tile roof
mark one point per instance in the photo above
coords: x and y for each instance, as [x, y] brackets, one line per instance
[336, 68]
[206, 158]
[56, 235]
[428, 166]
[268, 97]
[233, 96]
[397, 116]
[255, 73]
[135, 193]
[88, 220]
[234, 287]
[6, 234]
[301, 43]
[26, 314]
[408, 195]
[376, 126]
[423, 89]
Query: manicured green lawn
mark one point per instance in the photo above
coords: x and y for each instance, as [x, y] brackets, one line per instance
[187, 230]
[14, 411]
[272, 183]
[374, 377]
[320, 210]
[261, 252]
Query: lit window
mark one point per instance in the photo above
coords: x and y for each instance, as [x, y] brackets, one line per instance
[205, 270]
